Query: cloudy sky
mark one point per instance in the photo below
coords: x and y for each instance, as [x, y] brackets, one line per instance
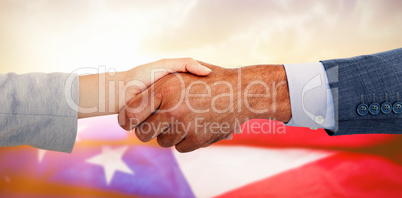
[61, 36]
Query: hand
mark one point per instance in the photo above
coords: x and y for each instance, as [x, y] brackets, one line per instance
[190, 112]
[104, 94]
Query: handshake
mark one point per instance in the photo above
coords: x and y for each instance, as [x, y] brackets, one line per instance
[186, 103]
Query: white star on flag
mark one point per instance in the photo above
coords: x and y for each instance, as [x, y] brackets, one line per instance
[111, 160]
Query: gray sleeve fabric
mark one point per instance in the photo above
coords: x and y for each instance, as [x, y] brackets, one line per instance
[34, 111]
[360, 77]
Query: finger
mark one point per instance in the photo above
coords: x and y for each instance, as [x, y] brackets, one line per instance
[152, 72]
[187, 145]
[152, 127]
[210, 66]
[186, 65]
[171, 136]
[216, 139]
[198, 139]
[139, 109]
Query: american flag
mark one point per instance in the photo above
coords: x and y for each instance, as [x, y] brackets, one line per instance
[110, 162]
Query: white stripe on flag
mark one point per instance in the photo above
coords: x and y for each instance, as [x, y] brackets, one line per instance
[218, 169]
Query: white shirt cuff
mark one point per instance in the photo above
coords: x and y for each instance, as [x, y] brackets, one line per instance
[310, 96]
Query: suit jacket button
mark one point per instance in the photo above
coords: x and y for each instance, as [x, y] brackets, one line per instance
[386, 107]
[374, 108]
[397, 108]
[362, 109]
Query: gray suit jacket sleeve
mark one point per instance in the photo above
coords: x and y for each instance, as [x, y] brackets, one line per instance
[352, 78]
[34, 111]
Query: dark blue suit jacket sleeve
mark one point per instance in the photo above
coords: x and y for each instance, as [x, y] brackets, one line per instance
[353, 78]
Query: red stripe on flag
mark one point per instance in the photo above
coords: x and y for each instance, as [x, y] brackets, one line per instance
[341, 175]
[274, 134]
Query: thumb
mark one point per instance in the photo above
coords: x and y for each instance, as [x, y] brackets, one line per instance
[186, 65]
[161, 68]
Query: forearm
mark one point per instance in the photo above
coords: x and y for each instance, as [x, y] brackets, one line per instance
[99, 94]
[107, 93]
[36, 111]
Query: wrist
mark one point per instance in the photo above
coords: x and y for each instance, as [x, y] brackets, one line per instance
[99, 94]
[265, 92]
[114, 92]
